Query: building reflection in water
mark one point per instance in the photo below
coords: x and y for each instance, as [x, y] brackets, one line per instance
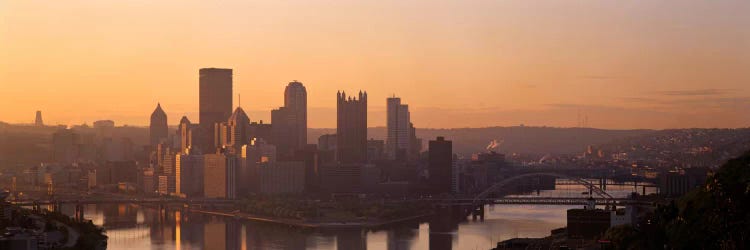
[149, 227]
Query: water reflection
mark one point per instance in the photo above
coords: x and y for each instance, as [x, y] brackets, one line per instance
[131, 226]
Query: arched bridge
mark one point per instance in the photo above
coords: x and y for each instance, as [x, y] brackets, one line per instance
[502, 184]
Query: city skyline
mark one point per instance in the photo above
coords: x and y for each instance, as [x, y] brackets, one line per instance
[488, 64]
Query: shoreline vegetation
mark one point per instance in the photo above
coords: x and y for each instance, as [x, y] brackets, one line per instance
[75, 234]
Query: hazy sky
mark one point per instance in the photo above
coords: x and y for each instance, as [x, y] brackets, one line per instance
[622, 64]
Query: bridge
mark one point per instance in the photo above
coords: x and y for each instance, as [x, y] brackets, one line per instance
[486, 197]
[85, 200]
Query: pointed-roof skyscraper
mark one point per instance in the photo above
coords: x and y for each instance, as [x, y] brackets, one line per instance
[158, 131]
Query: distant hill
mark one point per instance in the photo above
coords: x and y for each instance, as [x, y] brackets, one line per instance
[527, 140]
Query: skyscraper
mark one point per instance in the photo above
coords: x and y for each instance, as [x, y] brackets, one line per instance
[237, 131]
[219, 176]
[290, 121]
[441, 165]
[38, 121]
[158, 130]
[295, 100]
[215, 104]
[351, 128]
[399, 130]
[185, 132]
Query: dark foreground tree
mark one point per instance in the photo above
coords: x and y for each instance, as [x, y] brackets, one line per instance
[714, 216]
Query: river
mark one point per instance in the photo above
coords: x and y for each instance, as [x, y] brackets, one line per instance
[131, 226]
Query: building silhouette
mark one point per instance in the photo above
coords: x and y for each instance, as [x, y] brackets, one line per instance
[158, 131]
[215, 104]
[185, 133]
[38, 121]
[219, 173]
[351, 128]
[295, 100]
[441, 165]
[239, 129]
[398, 142]
[290, 121]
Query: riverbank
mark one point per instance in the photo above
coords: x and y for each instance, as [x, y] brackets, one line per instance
[313, 224]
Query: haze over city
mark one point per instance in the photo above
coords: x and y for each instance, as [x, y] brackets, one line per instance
[634, 64]
[456, 125]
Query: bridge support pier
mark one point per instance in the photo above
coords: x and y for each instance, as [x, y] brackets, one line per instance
[478, 212]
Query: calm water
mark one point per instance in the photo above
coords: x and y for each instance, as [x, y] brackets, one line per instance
[132, 226]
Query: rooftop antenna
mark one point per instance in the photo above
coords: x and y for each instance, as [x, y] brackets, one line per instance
[239, 102]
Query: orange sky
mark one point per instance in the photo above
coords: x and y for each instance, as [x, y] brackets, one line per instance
[623, 64]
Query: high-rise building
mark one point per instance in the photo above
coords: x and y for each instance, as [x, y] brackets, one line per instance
[219, 173]
[38, 121]
[260, 130]
[290, 121]
[215, 104]
[234, 133]
[189, 174]
[295, 100]
[415, 145]
[65, 146]
[185, 133]
[281, 177]
[251, 157]
[104, 128]
[281, 129]
[158, 130]
[351, 128]
[398, 143]
[375, 150]
[441, 165]
[239, 129]
[327, 142]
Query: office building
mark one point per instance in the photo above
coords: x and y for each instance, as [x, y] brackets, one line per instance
[162, 185]
[215, 104]
[592, 223]
[260, 130]
[310, 155]
[375, 150]
[441, 165]
[295, 100]
[351, 128]
[65, 146]
[188, 175]
[252, 156]
[282, 177]
[158, 131]
[338, 178]
[234, 133]
[185, 133]
[327, 142]
[398, 143]
[281, 132]
[219, 172]
[147, 177]
[290, 121]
